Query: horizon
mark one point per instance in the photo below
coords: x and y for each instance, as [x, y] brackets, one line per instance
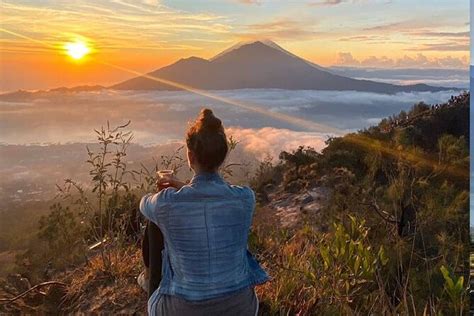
[344, 70]
[400, 38]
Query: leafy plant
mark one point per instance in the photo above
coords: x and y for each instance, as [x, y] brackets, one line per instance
[63, 234]
[109, 205]
[455, 289]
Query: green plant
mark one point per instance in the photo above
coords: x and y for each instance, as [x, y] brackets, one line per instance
[228, 167]
[455, 289]
[348, 265]
[63, 234]
[109, 206]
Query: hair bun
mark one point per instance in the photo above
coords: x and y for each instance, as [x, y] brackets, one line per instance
[206, 139]
[209, 122]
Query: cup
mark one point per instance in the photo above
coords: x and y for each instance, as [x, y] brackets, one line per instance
[164, 174]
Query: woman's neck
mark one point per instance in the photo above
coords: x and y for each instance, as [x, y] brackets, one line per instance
[200, 171]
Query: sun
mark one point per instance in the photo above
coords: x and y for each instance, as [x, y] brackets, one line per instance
[77, 50]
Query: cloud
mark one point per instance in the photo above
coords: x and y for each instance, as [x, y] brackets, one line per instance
[160, 116]
[111, 25]
[363, 38]
[280, 29]
[336, 2]
[451, 41]
[417, 61]
[249, 1]
[447, 77]
[442, 34]
[345, 58]
[272, 141]
[414, 25]
[426, 28]
[326, 2]
[447, 46]
[394, 26]
[422, 34]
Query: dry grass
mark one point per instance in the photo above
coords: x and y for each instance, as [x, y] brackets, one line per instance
[287, 261]
[93, 290]
[304, 282]
[7, 262]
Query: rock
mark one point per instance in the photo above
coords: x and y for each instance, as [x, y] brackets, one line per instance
[307, 199]
[11, 289]
[290, 205]
[18, 282]
[295, 186]
[268, 187]
[319, 193]
[313, 207]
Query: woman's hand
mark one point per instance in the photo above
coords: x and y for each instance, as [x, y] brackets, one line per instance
[169, 182]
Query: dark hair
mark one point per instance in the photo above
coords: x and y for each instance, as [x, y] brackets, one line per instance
[206, 139]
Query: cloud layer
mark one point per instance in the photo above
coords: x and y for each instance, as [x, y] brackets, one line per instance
[444, 77]
[270, 141]
[160, 117]
[417, 61]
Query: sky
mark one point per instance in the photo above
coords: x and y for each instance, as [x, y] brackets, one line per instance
[144, 35]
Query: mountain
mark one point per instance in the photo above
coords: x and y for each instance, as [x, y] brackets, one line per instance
[20, 95]
[257, 65]
[268, 43]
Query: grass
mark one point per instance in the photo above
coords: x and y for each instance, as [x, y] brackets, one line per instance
[93, 290]
[7, 262]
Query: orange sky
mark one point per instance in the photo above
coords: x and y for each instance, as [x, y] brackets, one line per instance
[144, 35]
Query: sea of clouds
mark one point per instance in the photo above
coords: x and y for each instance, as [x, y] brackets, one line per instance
[440, 77]
[159, 117]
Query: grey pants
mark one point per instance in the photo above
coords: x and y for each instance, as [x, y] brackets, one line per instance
[243, 303]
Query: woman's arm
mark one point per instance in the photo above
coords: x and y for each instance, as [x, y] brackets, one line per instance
[172, 181]
[152, 204]
[148, 206]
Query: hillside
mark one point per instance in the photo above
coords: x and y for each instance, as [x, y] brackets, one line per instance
[376, 223]
[256, 65]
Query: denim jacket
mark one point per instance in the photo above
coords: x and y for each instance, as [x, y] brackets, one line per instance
[205, 226]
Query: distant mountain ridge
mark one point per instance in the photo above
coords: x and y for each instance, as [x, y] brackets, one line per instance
[246, 65]
[25, 95]
[258, 65]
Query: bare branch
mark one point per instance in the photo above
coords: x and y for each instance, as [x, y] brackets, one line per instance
[11, 300]
[384, 215]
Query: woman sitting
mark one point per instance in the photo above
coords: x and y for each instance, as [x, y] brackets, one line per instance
[207, 268]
